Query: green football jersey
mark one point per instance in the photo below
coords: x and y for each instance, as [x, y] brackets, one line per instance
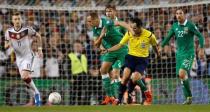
[184, 37]
[112, 36]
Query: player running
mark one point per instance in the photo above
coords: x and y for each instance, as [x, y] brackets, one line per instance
[139, 41]
[19, 37]
[106, 34]
[184, 31]
[111, 13]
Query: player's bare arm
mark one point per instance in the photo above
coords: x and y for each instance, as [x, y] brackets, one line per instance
[114, 48]
[6, 44]
[156, 49]
[39, 39]
[125, 25]
[201, 53]
[98, 41]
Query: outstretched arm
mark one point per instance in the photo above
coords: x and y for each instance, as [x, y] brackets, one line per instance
[114, 48]
[125, 25]
[124, 41]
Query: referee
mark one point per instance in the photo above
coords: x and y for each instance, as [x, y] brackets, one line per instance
[139, 41]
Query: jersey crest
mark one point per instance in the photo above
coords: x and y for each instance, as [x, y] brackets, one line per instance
[186, 30]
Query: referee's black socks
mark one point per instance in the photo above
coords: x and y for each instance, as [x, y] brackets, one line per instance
[122, 90]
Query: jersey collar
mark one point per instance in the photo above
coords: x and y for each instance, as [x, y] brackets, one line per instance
[18, 29]
[185, 22]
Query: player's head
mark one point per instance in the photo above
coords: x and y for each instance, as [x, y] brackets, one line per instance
[180, 15]
[136, 25]
[89, 21]
[77, 46]
[110, 11]
[93, 19]
[16, 19]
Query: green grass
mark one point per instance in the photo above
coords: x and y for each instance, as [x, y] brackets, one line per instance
[125, 108]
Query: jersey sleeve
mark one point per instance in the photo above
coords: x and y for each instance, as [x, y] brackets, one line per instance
[168, 37]
[195, 30]
[6, 35]
[31, 31]
[125, 38]
[95, 35]
[153, 40]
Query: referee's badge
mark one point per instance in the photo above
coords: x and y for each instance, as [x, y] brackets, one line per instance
[186, 30]
[143, 45]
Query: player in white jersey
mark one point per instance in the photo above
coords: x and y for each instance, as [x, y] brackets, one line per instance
[20, 39]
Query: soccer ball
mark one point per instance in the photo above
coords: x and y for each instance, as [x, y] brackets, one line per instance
[54, 98]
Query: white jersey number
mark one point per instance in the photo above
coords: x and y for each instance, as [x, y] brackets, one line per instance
[180, 33]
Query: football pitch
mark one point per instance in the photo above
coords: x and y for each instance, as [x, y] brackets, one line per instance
[124, 108]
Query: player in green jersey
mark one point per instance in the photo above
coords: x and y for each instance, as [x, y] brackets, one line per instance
[184, 31]
[114, 72]
[105, 33]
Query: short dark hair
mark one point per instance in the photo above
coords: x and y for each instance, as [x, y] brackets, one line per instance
[182, 9]
[94, 15]
[16, 13]
[137, 21]
[110, 6]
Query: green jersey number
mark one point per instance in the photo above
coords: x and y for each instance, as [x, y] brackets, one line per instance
[180, 33]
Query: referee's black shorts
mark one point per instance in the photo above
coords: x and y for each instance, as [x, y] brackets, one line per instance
[136, 64]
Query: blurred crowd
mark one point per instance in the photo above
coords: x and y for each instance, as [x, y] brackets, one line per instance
[60, 29]
[66, 32]
[90, 3]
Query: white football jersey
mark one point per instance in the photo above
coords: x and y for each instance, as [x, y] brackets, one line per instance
[21, 40]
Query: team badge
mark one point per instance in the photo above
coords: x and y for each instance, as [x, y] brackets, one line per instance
[143, 45]
[186, 30]
[18, 36]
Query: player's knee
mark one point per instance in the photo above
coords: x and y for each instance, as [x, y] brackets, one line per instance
[148, 81]
[135, 76]
[116, 73]
[27, 80]
[182, 75]
[25, 76]
[125, 79]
